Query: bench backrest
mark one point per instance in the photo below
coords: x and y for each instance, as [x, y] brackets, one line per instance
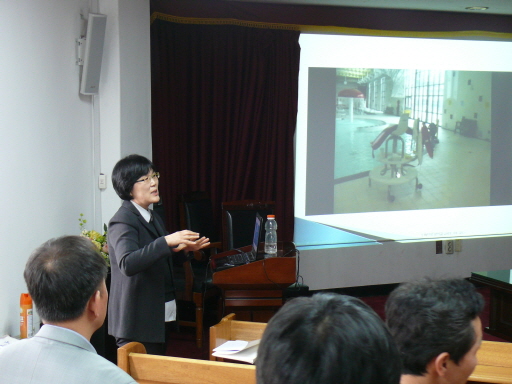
[494, 363]
[230, 329]
[154, 369]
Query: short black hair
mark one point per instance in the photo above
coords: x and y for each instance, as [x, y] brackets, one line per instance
[127, 171]
[429, 317]
[327, 338]
[62, 275]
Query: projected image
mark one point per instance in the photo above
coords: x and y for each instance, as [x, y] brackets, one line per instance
[409, 138]
[396, 144]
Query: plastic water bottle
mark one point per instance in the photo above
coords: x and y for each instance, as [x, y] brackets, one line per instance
[271, 236]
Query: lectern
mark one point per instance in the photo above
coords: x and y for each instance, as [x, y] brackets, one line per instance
[254, 291]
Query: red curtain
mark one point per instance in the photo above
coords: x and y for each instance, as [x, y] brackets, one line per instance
[224, 105]
[379, 19]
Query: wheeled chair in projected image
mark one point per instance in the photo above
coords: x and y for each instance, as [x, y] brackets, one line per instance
[396, 167]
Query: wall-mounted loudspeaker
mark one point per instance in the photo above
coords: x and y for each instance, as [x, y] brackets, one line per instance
[94, 40]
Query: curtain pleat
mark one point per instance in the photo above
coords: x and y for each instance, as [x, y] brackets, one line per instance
[224, 105]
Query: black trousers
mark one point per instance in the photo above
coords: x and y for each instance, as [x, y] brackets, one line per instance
[152, 348]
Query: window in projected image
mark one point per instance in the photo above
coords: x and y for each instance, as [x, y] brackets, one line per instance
[403, 153]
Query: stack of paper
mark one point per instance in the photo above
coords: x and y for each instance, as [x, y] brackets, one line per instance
[7, 340]
[238, 350]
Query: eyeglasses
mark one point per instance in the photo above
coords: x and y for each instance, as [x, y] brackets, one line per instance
[148, 179]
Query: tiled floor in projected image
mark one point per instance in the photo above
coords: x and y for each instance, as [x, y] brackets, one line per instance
[458, 175]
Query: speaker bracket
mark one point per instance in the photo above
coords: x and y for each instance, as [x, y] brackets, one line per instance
[80, 51]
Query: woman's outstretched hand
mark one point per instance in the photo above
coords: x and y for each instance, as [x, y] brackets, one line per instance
[199, 244]
[186, 240]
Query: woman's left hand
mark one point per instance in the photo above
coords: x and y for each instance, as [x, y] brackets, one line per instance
[198, 244]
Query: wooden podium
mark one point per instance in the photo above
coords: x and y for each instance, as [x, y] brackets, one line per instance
[254, 291]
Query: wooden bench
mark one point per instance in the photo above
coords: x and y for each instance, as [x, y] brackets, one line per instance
[155, 369]
[230, 329]
[494, 364]
[494, 358]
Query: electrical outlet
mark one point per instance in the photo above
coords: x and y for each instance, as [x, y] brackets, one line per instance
[102, 181]
[439, 247]
[449, 247]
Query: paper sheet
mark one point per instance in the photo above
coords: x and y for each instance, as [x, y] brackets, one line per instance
[7, 340]
[240, 350]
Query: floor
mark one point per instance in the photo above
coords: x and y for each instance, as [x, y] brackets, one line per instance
[458, 175]
[182, 344]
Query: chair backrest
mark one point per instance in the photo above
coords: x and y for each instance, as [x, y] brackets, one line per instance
[154, 369]
[238, 219]
[196, 214]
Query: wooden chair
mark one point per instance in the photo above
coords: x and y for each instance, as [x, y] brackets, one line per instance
[238, 219]
[494, 364]
[155, 369]
[230, 329]
[196, 214]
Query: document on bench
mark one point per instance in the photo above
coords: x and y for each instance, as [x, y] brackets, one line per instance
[7, 340]
[240, 350]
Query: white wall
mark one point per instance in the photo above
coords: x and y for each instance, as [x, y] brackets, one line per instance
[467, 100]
[53, 142]
[125, 99]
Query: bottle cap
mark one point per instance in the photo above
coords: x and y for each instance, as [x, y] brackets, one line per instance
[271, 216]
[25, 299]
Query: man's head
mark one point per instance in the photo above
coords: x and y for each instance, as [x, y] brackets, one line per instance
[327, 338]
[62, 275]
[436, 327]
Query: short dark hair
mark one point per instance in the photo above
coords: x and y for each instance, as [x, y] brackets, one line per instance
[429, 317]
[327, 338]
[62, 274]
[127, 171]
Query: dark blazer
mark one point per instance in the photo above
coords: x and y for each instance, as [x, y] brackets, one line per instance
[138, 256]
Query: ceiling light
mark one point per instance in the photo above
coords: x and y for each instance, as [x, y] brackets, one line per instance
[477, 8]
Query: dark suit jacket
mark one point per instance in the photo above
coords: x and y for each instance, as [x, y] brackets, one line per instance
[138, 257]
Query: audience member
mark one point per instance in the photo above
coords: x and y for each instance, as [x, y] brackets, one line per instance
[66, 279]
[437, 328]
[327, 338]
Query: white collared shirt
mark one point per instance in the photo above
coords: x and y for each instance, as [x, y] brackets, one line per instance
[144, 212]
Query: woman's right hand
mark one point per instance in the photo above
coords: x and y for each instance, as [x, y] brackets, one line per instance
[185, 237]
